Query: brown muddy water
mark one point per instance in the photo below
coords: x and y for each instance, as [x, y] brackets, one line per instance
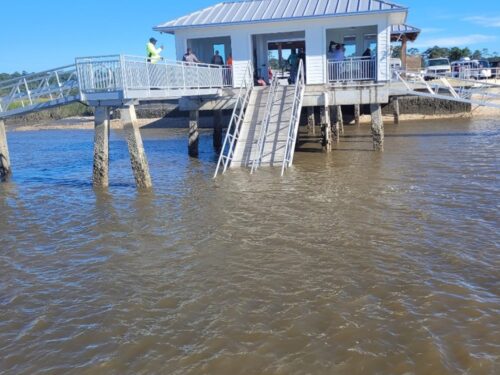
[353, 263]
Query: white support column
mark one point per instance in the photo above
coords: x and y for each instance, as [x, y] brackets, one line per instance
[5, 170]
[138, 157]
[377, 127]
[101, 147]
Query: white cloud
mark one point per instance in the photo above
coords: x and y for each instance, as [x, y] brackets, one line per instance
[453, 41]
[484, 21]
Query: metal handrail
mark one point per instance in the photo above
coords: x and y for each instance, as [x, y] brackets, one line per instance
[472, 92]
[227, 151]
[257, 161]
[352, 69]
[39, 90]
[131, 73]
[293, 127]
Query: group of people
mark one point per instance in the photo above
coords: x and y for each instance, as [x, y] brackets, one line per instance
[154, 55]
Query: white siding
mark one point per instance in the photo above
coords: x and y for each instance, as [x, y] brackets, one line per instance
[384, 50]
[315, 55]
[241, 55]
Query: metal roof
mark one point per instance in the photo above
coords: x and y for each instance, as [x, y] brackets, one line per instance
[404, 29]
[410, 32]
[251, 11]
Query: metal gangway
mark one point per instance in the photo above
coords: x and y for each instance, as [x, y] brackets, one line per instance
[446, 87]
[116, 78]
[264, 126]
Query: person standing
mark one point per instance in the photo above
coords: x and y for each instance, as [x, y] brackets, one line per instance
[190, 57]
[217, 59]
[293, 61]
[230, 60]
[153, 53]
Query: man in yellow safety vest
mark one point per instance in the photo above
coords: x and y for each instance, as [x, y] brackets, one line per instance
[153, 52]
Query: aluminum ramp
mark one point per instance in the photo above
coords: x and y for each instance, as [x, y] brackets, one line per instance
[474, 92]
[275, 138]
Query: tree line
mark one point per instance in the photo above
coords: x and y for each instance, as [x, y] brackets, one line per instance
[453, 54]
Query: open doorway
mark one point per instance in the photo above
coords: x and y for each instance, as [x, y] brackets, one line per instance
[271, 53]
[280, 59]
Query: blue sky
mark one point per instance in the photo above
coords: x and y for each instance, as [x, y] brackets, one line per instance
[37, 35]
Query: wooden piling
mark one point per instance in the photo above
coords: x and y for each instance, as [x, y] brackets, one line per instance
[138, 157]
[395, 107]
[357, 114]
[5, 169]
[101, 147]
[377, 127]
[194, 117]
[340, 119]
[217, 131]
[311, 121]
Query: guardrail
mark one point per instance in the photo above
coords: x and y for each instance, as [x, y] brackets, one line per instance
[233, 129]
[352, 69]
[39, 89]
[132, 73]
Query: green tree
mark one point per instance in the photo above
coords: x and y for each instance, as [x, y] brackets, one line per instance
[396, 52]
[476, 55]
[437, 52]
[413, 51]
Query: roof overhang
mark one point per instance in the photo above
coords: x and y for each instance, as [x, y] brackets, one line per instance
[400, 17]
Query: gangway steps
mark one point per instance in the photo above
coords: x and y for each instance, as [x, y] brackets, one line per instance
[273, 150]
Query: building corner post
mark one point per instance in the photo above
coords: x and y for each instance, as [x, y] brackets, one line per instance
[138, 159]
[5, 168]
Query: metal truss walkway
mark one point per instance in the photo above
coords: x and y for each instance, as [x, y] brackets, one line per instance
[474, 92]
[112, 79]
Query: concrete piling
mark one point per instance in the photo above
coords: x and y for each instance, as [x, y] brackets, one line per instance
[138, 157]
[340, 119]
[101, 147]
[326, 123]
[311, 121]
[357, 114]
[377, 127]
[395, 107]
[194, 136]
[335, 124]
[5, 170]
[217, 131]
